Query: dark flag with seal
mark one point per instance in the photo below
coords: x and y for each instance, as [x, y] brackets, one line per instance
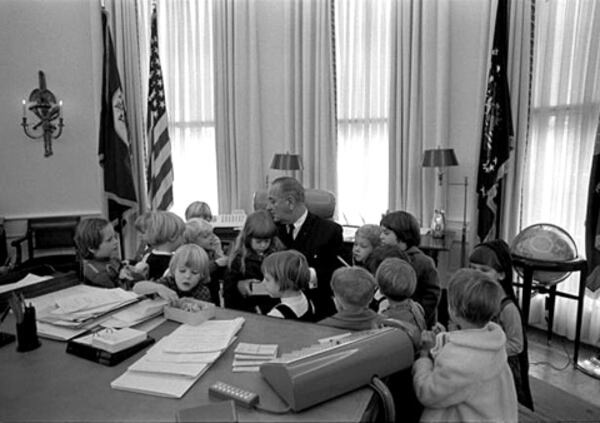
[496, 134]
[113, 148]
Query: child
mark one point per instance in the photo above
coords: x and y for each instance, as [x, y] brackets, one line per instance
[402, 229]
[465, 376]
[198, 231]
[141, 224]
[366, 239]
[256, 241]
[397, 280]
[164, 234]
[98, 248]
[493, 258]
[286, 276]
[188, 276]
[353, 289]
[198, 209]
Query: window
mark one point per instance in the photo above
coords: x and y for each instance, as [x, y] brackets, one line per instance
[362, 71]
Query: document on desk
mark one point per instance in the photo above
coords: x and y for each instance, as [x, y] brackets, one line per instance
[178, 360]
[30, 279]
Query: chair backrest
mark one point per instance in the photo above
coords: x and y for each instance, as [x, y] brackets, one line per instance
[318, 201]
[51, 233]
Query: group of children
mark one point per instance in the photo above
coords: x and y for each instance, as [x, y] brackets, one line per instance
[460, 374]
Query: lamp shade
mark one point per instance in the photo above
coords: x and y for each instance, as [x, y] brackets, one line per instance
[286, 161]
[439, 157]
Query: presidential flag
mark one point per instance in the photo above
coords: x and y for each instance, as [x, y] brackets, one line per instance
[592, 220]
[160, 168]
[113, 147]
[496, 134]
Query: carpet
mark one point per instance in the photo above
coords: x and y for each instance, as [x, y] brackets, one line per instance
[555, 405]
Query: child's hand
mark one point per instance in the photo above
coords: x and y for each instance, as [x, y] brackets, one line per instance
[438, 328]
[244, 286]
[166, 293]
[427, 341]
[222, 261]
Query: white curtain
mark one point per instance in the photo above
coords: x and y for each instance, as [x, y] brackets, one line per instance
[564, 118]
[362, 32]
[309, 90]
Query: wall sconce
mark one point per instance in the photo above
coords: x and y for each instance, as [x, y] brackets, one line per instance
[42, 102]
[440, 158]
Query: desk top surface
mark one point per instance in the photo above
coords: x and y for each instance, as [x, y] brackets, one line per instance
[50, 385]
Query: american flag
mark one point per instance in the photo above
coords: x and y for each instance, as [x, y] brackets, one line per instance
[160, 167]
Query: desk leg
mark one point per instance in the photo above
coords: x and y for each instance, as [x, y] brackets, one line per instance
[580, 299]
[526, 299]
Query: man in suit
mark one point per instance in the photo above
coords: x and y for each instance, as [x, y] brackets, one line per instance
[320, 240]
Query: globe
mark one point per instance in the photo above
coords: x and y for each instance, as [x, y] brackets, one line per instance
[544, 242]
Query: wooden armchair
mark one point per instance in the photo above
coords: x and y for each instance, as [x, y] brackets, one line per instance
[49, 243]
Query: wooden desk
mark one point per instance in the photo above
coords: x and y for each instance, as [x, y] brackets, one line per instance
[529, 266]
[48, 384]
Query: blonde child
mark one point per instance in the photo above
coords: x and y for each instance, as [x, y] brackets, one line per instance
[141, 224]
[198, 209]
[257, 240]
[286, 277]
[353, 289]
[164, 234]
[397, 280]
[366, 239]
[98, 248]
[493, 258]
[198, 231]
[463, 375]
[402, 229]
[188, 276]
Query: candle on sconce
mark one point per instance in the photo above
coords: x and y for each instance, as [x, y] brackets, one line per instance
[23, 102]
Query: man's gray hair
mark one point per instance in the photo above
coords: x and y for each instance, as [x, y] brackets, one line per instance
[290, 186]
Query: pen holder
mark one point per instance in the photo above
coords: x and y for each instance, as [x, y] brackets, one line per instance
[27, 337]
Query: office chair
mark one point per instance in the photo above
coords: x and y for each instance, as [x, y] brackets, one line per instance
[318, 201]
[49, 243]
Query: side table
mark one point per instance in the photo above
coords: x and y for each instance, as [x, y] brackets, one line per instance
[529, 266]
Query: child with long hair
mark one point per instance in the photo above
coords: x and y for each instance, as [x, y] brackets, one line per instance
[164, 234]
[257, 240]
[188, 276]
[493, 258]
[286, 278]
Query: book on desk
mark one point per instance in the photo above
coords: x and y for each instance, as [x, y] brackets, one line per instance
[84, 347]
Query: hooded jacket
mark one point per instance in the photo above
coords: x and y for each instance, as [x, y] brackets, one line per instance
[468, 379]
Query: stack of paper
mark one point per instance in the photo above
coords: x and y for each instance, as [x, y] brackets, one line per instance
[118, 340]
[70, 312]
[249, 357]
[177, 361]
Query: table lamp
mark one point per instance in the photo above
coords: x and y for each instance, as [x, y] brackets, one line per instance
[439, 158]
[286, 161]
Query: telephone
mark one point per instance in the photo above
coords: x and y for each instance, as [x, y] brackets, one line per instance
[320, 372]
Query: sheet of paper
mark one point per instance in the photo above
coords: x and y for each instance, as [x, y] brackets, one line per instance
[30, 279]
[210, 336]
[154, 384]
[58, 333]
[191, 370]
[157, 354]
[97, 301]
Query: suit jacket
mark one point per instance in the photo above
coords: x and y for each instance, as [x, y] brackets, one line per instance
[321, 241]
